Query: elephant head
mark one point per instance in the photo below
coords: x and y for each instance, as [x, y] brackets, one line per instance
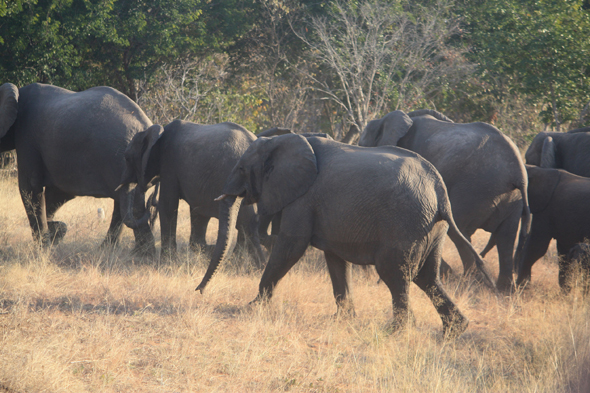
[386, 131]
[141, 168]
[142, 158]
[430, 112]
[275, 131]
[542, 185]
[542, 151]
[8, 107]
[273, 173]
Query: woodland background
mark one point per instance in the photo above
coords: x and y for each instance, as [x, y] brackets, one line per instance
[312, 65]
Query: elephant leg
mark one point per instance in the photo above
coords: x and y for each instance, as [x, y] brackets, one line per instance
[454, 322]
[54, 199]
[144, 238]
[392, 270]
[116, 226]
[286, 252]
[505, 237]
[248, 226]
[33, 197]
[199, 225]
[534, 249]
[565, 268]
[168, 209]
[339, 270]
[467, 257]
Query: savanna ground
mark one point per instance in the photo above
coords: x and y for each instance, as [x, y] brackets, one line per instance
[80, 318]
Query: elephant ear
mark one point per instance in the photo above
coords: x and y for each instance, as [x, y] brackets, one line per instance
[395, 125]
[149, 157]
[8, 107]
[386, 131]
[548, 153]
[289, 170]
[542, 185]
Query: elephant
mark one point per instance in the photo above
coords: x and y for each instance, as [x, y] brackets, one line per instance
[483, 172]
[382, 206]
[580, 253]
[72, 144]
[569, 151]
[191, 162]
[560, 209]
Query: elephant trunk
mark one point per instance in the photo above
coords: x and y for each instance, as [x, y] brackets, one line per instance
[228, 214]
[127, 210]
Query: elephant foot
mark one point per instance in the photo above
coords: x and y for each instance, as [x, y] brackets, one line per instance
[401, 320]
[454, 327]
[168, 254]
[505, 285]
[56, 231]
[345, 310]
[144, 251]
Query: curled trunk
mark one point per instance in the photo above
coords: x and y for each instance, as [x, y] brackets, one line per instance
[228, 214]
[127, 203]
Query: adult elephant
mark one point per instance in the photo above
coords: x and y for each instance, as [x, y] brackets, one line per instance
[559, 203]
[386, 207]
[482, 169]
[191, 162]
[72, 144]
[569, 151]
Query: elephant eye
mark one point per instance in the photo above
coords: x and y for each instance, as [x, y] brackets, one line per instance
[242, 170]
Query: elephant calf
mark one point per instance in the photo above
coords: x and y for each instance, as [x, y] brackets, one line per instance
[383, 206]
[559, 204]
[191, 162]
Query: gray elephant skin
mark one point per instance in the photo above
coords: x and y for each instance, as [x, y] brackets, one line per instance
[191, 162]
[384, 206]
[559, 204]
[569, 151]
[72, 144]
[482, 169]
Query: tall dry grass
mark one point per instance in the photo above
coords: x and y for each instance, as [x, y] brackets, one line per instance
[80, 318]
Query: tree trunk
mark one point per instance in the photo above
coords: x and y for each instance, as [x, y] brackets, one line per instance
[351, 135]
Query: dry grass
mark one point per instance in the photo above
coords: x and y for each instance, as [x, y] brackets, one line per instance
[79, 318]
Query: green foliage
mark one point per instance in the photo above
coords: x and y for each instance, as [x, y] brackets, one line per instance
[537, 48]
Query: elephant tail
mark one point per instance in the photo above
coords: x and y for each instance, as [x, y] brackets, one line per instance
[525, 227]
[447, 215]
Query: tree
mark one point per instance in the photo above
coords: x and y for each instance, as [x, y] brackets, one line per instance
[539, 48]
[382, 55]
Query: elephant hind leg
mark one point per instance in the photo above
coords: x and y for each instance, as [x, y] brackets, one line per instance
[394, 271]
[454, 322]
[339, 270]
[505, 237]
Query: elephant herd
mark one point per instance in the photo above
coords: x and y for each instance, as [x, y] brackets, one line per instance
[388, 202]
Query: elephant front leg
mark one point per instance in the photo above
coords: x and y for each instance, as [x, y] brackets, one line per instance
[534, 249]
[339, 270]
[286, 252]
[34, 201]
[199, 225]
[168, 221]
[116, 226]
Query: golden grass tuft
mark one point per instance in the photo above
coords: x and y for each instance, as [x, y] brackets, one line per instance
[80, 318]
